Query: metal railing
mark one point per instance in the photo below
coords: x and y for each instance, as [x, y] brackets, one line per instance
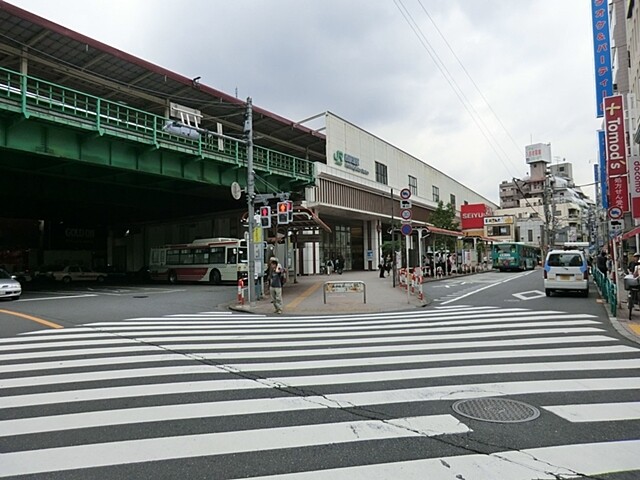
[608, 289]
[41, 99]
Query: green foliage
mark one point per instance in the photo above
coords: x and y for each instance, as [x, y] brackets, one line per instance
[444, 217]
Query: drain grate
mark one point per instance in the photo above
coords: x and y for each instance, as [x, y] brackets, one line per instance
[499, 410]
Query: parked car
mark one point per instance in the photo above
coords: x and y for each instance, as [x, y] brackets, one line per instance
[77, 273]
[9, 287]
[45, 272]
[566, 270]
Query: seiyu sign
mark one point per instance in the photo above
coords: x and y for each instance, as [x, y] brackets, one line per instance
[616, 153]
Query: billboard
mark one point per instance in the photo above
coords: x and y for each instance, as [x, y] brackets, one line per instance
[634, 185]
[538, 152]
[472, 216]
[601, 52]
[616, 152]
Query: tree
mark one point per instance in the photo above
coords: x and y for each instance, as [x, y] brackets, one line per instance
[444, 217]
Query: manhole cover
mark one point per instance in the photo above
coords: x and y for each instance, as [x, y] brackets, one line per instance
[499, 410]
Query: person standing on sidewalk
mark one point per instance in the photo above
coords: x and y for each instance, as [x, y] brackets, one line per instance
[275, 284]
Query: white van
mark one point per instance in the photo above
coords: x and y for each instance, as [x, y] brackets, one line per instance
[566, 270]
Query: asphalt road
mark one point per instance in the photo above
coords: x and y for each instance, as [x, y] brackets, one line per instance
[156, 382]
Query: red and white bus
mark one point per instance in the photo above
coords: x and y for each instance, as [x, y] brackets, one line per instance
[212, 260]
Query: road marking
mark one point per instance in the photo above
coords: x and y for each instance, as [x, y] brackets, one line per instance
[597, 412]
[56, 298]
[41, 321]
[329, 350]
[312, 402]
[545, 463]
[530, 295]
[296, 301]
[224, 443]
[484, 288]
[635, 327]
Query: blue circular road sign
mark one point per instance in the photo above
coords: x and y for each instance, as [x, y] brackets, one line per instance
[405, 194]
[406, 229]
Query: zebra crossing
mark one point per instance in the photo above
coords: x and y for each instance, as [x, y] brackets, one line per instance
[366, 396]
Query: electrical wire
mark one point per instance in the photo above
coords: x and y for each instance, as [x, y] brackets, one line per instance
[449, 78]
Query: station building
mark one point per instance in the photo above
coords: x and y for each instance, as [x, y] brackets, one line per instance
[101, 142]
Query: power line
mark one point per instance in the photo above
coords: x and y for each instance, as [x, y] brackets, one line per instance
[475, 116]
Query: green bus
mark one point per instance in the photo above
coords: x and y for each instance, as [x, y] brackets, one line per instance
[515, 256]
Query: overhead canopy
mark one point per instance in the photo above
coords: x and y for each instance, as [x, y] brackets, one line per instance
[631, 233]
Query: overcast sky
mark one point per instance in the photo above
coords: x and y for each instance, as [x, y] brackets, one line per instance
[463, 85]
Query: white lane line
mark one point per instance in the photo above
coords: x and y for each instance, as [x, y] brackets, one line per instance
[376, 332]
[461, 325]
[422, 373]
[132, 325]
[597, 412]
[168, 338]
[429, 358]
[86, 395]
[340, 400]
[473, 292]
[225, 443]
[345, 326]
[327, 351]
[545, 463]
[303, 364]
[55, 298]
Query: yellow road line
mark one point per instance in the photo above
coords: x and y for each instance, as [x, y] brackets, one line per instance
[296, 301]
[33, 319]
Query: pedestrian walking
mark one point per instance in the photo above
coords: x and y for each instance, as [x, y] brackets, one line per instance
[601, 262]
[381, 267]
[275, 284]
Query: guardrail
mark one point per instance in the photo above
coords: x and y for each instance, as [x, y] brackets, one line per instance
[608, 289]
[33, 97]
[354, 286]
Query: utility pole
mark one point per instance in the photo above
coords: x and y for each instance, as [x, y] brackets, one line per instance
[548, 217]
[393, 243]
[248, 130]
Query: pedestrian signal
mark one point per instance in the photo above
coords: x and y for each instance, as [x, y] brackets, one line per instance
[283, 213]
[290, 210]
[265, 216]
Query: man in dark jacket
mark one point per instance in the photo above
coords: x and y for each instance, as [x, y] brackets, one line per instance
[635, 261]
[601, 262]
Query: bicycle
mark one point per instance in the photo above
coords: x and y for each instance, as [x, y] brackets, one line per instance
[633, 295]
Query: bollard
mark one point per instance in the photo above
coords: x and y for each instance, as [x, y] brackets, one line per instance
[241, 292]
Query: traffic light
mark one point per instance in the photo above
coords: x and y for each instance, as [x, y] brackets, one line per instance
[290, 210]
[283, 213]
[265, 216]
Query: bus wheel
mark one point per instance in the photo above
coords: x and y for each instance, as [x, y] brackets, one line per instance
[173, 277]
[214, 277]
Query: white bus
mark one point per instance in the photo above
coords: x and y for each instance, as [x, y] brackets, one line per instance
[212, 260]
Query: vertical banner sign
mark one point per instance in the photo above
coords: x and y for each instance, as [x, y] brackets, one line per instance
[601, 52]
[602, 163]
[634, 185]
[616, 151]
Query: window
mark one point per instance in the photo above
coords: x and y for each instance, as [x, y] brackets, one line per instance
[413, 185]
[529, 235]
[435, 192]
[381, 173]
[452, 200]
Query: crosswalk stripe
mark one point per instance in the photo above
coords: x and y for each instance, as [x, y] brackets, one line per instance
[110, 339]
[545, 463]
[330, 350]
[189, 446]
[597, 412]
[78, 377]
[305, 365]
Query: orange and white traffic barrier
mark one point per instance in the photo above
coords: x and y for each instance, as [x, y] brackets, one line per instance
[241, 292]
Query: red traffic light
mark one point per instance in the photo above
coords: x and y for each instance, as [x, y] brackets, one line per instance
[283, 207]
[265, 211]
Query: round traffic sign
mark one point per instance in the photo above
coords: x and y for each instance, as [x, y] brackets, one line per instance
[405, 214]
[615, 213]
[406, 229]
[405, 194]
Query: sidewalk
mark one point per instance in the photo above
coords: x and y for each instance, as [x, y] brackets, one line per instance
[630, 328]
[306, 296]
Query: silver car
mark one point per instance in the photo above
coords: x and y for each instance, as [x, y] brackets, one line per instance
[9, 286]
